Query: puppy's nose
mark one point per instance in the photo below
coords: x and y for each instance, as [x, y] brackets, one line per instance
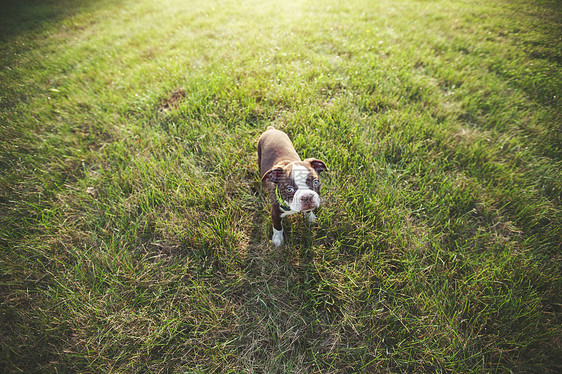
[307, 199]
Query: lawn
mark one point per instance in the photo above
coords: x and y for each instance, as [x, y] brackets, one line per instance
[135, 235]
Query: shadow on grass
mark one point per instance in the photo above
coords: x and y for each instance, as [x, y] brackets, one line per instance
[34, 16]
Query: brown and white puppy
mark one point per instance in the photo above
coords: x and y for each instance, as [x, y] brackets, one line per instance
[292, 183]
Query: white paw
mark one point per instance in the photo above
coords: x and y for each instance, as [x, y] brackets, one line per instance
[310, 217]
[277, 238]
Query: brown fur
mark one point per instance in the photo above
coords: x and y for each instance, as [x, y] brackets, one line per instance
[279, 148]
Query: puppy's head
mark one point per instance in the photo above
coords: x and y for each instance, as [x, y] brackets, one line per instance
[295, 185]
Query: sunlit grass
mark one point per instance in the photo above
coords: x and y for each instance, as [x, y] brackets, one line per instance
[135, 234]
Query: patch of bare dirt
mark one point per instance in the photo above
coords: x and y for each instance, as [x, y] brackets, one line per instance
[172, 102]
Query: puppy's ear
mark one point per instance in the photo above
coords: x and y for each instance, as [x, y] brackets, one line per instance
[317, 164]
[273, 175]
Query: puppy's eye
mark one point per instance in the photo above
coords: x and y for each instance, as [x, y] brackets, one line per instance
[315, 183]
[290, 189]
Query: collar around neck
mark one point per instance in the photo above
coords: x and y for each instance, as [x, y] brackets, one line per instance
[280, 200]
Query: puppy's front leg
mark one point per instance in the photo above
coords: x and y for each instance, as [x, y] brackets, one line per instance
[277, 238]
[310, 217]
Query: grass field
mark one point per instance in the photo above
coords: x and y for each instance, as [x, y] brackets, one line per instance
[135, 235]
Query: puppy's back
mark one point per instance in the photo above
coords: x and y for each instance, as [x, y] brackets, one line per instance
[275, 146]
